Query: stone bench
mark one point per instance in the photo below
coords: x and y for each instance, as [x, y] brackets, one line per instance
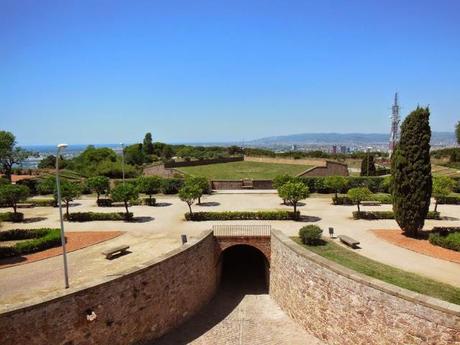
[349, 241]
[115, 250]
[371, 203]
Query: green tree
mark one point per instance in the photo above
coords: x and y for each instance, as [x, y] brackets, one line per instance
[149, 185]
[359, 194]
[134, 154]
[69, 192]
[442, 187]
[125, 193]
[281, 180]
[200, 181]
[10, 154]
[457, 132]
[189, 193]
[336, 183]
[46, 185]
[49, 162]
[148, 144]
[99, 185]
[293, 192]
[167, 152]
[411, 172]
[368, 166]
[12, 194]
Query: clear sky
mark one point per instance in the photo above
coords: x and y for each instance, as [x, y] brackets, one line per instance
[92, 71]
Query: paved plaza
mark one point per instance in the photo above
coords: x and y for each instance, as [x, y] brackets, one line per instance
[157, 230]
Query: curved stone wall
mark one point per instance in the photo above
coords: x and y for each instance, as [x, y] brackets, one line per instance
[343, 307]
[139, 306]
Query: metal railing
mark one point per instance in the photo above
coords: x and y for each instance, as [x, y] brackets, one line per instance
[241, 230]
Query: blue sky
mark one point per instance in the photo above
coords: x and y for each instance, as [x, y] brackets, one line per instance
[108, 71]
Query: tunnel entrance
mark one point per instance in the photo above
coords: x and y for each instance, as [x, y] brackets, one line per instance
[245, 270]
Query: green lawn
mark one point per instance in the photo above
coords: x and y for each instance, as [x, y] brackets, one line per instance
[389, 274]
[244, 169]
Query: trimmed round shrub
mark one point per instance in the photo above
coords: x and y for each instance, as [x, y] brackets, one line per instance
[310, 235]
[12, 217]
[171, 185]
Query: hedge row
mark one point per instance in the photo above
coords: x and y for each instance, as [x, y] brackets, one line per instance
[376, 184]
[449, 200]
[12, 217]
[94, 216]
[107, 202]
[39, 239]
[168, 185]
[449, 241]
[42, 202]
[345, 200]
[242, 215]
[373, 215]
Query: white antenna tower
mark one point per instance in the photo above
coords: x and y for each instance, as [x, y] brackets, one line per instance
[395, 120]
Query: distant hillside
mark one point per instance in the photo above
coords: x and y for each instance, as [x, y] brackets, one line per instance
[438, 138]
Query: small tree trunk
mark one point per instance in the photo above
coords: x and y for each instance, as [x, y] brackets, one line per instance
[435, 205]
[295, 209]
[67, 208]
[190, 208]
[14, 207]
[126, 207]
[359, 210]
[336, 194]
[199, 200]
[97, 198]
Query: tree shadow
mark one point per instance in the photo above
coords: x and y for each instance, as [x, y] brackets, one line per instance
[162, 204]
[209, 203]
[449, 218]
[308, 219]
[12, 260]
[141, 219]
[33, 220]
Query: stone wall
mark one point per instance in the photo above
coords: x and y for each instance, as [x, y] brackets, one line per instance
[262, 243]
[160, 170]
[203, 162]
[331, 168]
[343, 307]
[238, 184]
[303, 161]
[140, 305]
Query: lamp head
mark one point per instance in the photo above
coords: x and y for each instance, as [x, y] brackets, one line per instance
[62, 146]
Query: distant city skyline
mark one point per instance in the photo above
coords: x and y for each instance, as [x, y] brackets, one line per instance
[105, 72]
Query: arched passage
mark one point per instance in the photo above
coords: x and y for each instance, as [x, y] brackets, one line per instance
[244, 269]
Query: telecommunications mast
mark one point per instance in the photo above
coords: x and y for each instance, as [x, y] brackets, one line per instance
[395, 119]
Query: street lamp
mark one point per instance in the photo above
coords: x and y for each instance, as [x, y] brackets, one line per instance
[61, 147]
[123, 161]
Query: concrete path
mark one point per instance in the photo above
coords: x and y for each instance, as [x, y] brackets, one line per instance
[157, 230]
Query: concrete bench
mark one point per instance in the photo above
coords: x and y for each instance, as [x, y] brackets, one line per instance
[349, 241]
[115, 250]
[371, 203]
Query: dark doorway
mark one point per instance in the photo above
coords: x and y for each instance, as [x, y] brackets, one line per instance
[244, 269]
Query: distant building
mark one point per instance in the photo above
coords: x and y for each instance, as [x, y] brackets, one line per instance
[343, 149]
[293, 147]
[334, 149]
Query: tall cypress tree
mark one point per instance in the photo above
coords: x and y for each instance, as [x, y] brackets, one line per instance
[368, 166]
[411, 171]
[148, 145]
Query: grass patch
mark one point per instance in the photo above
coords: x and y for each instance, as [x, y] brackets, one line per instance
[244, 169]
[388, 274]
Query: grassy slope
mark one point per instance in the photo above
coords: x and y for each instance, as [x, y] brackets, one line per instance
[244, 169]
[389, 274]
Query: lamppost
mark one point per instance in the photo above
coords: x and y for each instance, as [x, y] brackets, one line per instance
[123, 161]
[369, 148]
[61, 147]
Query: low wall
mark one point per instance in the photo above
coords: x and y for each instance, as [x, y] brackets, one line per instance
[203, 162]
[302, 161]
[343, 307]
[238, 184]
[141, 305]
[331, 168]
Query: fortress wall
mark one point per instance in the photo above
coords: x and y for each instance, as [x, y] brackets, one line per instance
[141, 304]
[343, 307]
